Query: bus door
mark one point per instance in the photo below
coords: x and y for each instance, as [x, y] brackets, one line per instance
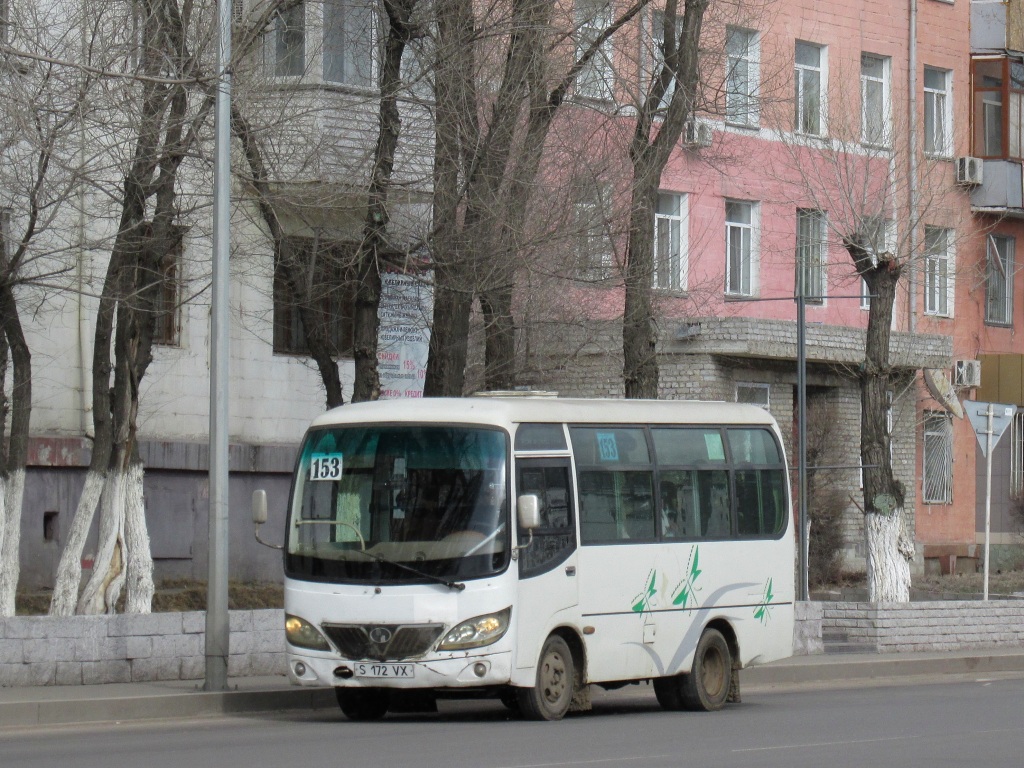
[548, 593]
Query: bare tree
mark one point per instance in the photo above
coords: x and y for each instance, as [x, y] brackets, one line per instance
[40, 101]
[649, 152]
[866, 176]
[167, 127]
[489, 155]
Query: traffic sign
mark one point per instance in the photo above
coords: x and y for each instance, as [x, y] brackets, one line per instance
[978, 414]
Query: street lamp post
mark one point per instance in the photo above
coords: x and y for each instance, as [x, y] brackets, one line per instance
[217, 630]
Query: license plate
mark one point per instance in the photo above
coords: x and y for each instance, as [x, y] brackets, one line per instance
[384, 670]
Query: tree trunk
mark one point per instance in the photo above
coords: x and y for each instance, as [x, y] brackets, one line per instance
[889, 550]
[649, 152]
[69, 569]
[889, 547]
[139, 585]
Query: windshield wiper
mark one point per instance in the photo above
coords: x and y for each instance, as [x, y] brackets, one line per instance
[456, 585]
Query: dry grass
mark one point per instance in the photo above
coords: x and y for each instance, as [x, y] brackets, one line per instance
[178, 595]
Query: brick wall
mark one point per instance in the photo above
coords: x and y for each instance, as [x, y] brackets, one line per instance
[928, 626]
[40, 650]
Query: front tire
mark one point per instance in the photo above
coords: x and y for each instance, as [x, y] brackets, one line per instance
[550, 698]
[706, 687]
[363, 704]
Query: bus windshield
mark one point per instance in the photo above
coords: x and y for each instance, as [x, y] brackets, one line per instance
[400, 504]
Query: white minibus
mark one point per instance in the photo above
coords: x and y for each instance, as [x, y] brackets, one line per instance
[527, 547]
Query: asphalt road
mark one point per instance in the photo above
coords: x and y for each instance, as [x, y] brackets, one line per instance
[976, 722]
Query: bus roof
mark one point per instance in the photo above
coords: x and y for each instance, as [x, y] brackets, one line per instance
[514, 410]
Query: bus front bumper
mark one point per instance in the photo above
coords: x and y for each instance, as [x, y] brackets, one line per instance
[463, 671]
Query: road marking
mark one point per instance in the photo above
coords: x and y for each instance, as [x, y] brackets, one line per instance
[827, 744]
[593, 762]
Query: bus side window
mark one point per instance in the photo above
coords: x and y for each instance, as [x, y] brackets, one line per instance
[555, 538]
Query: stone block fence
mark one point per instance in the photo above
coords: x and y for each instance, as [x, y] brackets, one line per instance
[83, 650]
[124, 648]
[934, 625]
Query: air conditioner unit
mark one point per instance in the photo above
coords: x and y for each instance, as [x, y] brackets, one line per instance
[970, 170]
[696, 133]
[967, 373]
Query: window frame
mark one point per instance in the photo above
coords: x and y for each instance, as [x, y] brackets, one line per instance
[938, 272]
[167, 306]
[595, 81]
[741, 105]
[595, 255]
[1003, 276]
[747, 268]
[287, 59]
[804, 109]
[998, 83]
[289, 335]
[931, 433]
[678, 258]
[811, 240]
[938, 106]
[883, 109]
[339, 33]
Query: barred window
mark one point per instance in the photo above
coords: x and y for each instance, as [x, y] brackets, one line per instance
[938, 458]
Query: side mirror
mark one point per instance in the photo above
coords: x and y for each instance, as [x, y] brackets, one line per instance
[528, 510]
[259, 516]
[259, 507]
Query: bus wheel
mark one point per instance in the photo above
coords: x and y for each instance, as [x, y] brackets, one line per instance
[706, 688]
[549, 699]
[363, 703]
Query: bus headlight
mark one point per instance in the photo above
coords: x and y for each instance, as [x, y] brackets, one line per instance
[302, 634]
[477, 632]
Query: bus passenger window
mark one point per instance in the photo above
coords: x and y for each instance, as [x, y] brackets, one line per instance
[715, 506]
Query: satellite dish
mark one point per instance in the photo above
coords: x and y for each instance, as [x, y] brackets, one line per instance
[940, 388]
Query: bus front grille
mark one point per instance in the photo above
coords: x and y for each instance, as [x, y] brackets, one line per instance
[382, 642]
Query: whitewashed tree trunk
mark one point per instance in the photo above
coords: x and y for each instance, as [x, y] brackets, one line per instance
[9, 536]
[69, 570]
[139, 560]
[108, 566]
[889, 552]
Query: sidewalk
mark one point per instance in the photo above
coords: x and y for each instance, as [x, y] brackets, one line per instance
[121, 702]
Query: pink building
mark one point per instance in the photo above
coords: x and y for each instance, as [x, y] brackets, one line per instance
[827, 121]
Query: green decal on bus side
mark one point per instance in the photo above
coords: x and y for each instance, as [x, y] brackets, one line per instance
[642, 602]
[763, 610]
[686, 589]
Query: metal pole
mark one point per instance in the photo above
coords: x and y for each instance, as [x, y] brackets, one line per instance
[801, 387]
[217, 632]
[988, 494]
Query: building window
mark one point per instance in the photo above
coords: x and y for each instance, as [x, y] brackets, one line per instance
[998, 108]
[167, 302]
[327, 274]
[351, 36]
[938, 272]
[999, 280]
[1017, 454]
[595, 80]
[739, 247]
[809, 78]
[811, 249]
[742, 75]
[874, 95]
[593, 245]
[658, 50]
[754, 393]
[938, 136]
[938, 458]
[288, 42]
[670, 243]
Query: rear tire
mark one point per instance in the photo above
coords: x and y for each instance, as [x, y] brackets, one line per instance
[363, 704]
[550, 698]
[706, 687]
